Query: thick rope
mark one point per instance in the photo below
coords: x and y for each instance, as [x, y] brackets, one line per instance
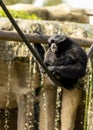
[28, 44]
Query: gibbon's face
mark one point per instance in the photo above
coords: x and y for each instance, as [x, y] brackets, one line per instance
[54, 47]
[55, 42]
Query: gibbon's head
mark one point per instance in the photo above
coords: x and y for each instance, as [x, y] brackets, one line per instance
[55, 42]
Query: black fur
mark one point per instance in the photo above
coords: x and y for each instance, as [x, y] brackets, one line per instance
[68, 63]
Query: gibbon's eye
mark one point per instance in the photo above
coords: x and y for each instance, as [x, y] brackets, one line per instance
[50, 42]
[53, 47]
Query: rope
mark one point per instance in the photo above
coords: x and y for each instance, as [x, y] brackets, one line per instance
[90, 51]
[28, 44]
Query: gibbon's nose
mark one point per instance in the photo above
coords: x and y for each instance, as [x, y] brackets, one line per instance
[54, 47]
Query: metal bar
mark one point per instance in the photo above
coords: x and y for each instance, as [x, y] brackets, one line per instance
[34, 38]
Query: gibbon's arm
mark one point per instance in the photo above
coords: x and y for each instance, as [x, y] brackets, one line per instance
[40, 50]
[74, 71]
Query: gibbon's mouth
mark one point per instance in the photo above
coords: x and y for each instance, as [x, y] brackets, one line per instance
[54, 47]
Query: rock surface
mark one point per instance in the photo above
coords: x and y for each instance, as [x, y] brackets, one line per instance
[60, 12]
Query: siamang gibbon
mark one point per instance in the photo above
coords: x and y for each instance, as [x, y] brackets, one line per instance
[64, 58]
